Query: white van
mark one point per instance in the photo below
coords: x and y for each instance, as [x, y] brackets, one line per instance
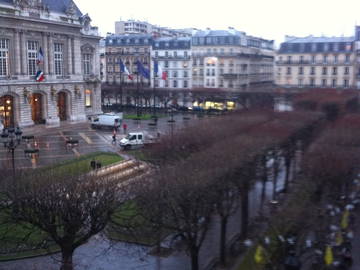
[107, 120]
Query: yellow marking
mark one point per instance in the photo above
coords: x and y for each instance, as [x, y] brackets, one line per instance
[76, 152]
[86, 138]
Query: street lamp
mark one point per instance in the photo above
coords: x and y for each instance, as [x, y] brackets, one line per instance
[11, 138]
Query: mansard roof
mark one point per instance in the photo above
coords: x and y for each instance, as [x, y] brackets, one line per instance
[59, 6]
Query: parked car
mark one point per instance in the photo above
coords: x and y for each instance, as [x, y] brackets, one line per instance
[107, 120]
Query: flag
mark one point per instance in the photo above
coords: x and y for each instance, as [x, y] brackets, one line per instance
[143, 71]
[124, 69]
[159, 71]
[40, 57]
[39, 76]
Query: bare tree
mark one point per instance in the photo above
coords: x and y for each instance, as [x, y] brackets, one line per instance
[70, 208]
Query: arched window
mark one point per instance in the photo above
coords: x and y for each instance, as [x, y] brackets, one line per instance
[88, 98]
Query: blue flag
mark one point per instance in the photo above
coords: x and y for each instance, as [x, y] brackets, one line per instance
[142, 70]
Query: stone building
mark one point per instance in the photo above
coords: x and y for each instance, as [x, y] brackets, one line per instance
[69, 61]
[174, 57]
[316, 62]
[143, 28]
[230, 59]
[129, 49]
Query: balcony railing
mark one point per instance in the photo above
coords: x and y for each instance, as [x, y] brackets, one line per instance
[306, 62]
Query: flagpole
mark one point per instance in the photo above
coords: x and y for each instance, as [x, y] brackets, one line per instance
[121, 88]
[154, 108]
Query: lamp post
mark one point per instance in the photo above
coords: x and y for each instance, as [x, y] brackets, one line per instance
[11, 138]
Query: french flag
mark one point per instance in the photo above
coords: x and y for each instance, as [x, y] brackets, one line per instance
[39, 77]
[159, 71]
[40, 57]
[124, 69]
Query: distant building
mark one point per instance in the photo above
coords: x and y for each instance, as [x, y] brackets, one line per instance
[317, 62]
[129, 49]
[174, 57]
[209, 59]
[68, 60]
[230, 59]
[141, 27]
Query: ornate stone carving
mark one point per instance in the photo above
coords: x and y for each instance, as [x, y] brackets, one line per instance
[87, 48]
[71, 9]
[85, 21]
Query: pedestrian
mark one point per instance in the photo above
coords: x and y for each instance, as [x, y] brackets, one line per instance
[124, 127]
[114, 137]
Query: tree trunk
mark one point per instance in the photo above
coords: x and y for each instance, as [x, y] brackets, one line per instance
[67, 259]
[223, 228]
[287, 172]
[194, 253]
[244, 210]
[275, 179]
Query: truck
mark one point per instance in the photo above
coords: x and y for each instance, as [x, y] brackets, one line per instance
[134, 140]
[107, 120]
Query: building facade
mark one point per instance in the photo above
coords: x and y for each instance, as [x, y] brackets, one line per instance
[142, 28]
[174, 57]
[317, 62]
[229, 59]
[129, 49]
[54, 37]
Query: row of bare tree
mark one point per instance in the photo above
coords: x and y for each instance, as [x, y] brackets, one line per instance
[210, 169]
[205, 170]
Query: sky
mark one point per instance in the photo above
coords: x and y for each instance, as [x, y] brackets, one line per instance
[270, 19]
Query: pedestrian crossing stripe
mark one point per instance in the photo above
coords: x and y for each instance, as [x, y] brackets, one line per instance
[86, 138]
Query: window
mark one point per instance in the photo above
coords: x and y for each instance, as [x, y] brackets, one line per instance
[347, 58]
[175, 83]
[346, 71]
[175, 53]
[334, 71]
[323, 83]
[301, 70]
[87, 64]
[88, 98]
[325, 59]
[58, 58]
[324, 71]
[300, 82]
[301, 59]
[185, 54]
[288, 71]
[335, 59]
[185, 84]
[4, 57]
[213, 72]
[346, 83]
[289, 59]
[313, 59]
[166, 53]
[185, 74]
[175, 74]
[312, 72]
[156, 54]
[334, 83]
[32, 56]
[312, 82]
[166, 63]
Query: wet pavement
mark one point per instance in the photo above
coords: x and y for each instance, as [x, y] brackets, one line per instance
[51, 141]
[100, 253]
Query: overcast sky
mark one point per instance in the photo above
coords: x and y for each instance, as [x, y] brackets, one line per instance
[270, 19]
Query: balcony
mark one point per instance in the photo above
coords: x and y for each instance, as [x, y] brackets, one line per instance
[318, 63]
[229, 76]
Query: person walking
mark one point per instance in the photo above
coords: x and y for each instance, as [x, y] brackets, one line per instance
[124, 127]
[114, 137]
